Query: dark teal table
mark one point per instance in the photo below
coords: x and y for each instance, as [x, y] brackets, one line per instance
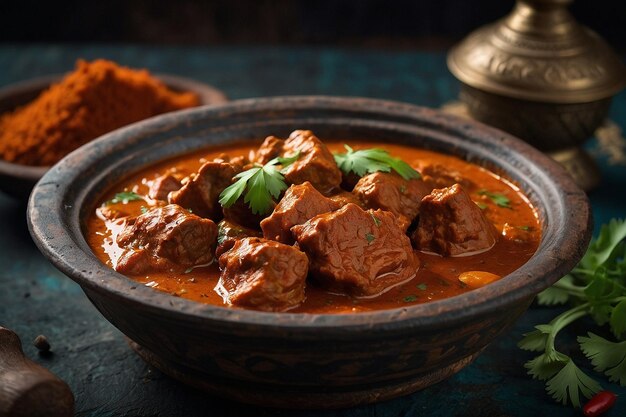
[108, 379]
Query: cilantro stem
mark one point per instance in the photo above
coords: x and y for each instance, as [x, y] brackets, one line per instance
[571, 289]
[591, 272]
[563, 320]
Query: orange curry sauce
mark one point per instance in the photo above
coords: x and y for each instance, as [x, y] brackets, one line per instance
[437, 277]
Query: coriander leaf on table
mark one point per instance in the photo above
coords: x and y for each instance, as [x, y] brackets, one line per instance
[618, 319]
[569, 382]
[596, 287]
[536, 340]
[600, 250]
[546, 365]
[606, 356]
[557, 294]
[367, 161]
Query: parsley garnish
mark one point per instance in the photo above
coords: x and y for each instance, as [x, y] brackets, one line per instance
[261, 183]
[422, 286]
[124, 197]
[377, 221]
[369, 237]
[285, 161]
[596, 287]
[409, 298]
[366, 161]
[498, 199]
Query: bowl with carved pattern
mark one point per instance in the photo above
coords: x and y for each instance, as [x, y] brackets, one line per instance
[299, 360]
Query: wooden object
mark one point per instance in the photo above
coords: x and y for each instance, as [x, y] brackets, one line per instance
[28, 389]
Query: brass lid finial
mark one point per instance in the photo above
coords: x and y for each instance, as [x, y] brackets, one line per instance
[539, 53]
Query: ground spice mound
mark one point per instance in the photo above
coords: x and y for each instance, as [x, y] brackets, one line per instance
[94, 99]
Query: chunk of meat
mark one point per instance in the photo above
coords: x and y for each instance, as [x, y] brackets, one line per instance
[300, 203]
[228, 233]
[315, 164]
[438, 176]
[357, 251]
[390, 192]
[166, 238]
[239, 163]
[451, 224]
[161, 186]
[263, 274]
[241, 213]
[201, 193]
[344, 197]
[269, 149]
[349, 180]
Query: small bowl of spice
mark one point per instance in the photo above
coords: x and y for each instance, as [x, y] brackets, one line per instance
[44, 119]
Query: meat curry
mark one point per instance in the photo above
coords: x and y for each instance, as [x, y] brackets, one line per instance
[302, 225]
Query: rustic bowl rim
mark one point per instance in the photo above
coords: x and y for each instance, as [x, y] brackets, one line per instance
[30, 173]
[55, 228]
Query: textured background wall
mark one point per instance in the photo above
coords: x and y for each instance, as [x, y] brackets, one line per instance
[388, 23]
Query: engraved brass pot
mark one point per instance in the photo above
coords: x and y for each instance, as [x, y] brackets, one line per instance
[541, 76]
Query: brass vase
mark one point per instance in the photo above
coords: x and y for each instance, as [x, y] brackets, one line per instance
[540, 75]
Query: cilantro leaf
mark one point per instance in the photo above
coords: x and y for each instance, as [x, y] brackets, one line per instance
[480, 205]
[124, 197]
[600, 250]
[552, 296]
[285, 161]
[536, 340]
[569, 382]
[560, 292]
[231, 194]
[499, 200]
[546, 365]
[261, 184]
[367, 161]
[618, 318]
[606, 356]
[596, 287]
[377, 221]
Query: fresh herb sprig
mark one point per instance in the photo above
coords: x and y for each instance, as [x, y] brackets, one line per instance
[498, 199]
[262, 185]
[367, 161]
[596, 287]
[124, 197]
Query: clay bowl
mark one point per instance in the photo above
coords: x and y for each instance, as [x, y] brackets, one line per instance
[306, 360]
[18, 180]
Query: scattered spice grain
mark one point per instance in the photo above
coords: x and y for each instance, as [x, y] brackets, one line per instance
[42, 344]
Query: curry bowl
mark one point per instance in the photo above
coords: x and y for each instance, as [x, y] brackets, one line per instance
[295, 359]
[17, 180]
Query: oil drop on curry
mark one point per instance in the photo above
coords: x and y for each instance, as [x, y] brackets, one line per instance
[96, 98]
[304, 226]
